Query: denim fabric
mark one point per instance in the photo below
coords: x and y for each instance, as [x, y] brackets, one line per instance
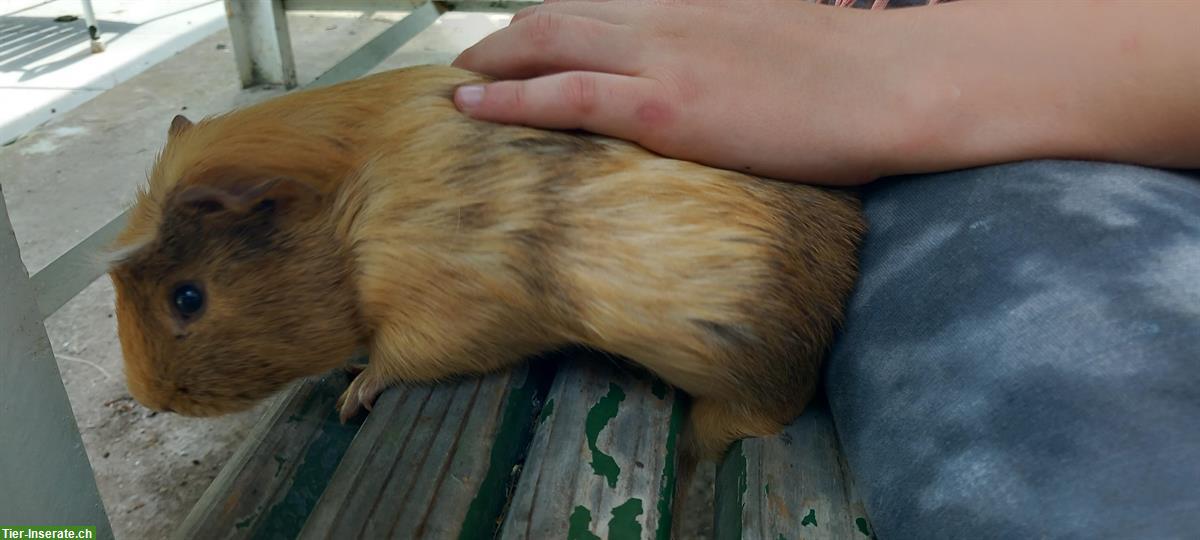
[1021, 357]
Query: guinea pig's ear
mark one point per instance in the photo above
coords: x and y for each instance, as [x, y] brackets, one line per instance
[243, 196]
[179, 124]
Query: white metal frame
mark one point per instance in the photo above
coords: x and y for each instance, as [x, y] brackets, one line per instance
[89, 16]
[262, 43]
[44, 469]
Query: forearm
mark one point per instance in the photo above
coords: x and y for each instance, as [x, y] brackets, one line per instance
[1014, 80]
[810, 93]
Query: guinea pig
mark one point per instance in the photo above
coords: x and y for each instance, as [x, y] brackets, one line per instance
[273, 242]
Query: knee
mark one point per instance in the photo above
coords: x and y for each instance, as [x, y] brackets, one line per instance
[1007, 316]
[1040, 260]
[1025, 225]
[1029, 196]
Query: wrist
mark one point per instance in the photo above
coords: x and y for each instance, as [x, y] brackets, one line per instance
[987, 83]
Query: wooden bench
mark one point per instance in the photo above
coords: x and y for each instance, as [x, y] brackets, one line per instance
[574, 445]
[794, 485]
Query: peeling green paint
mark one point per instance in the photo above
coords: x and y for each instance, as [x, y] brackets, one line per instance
[767, 488]
[547, 410]
[312, 468]
[780, 537]
[659, 388]
[581, 519]
[624, 524]
[244, 523]
[512, 439]
[810, 519]
[666, 492]
[730, 494]
[741, 477]
[597, 418]
[864, 527]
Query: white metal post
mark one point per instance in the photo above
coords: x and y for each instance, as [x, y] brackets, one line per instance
[45, 476]
[262, 45]
[89, 15]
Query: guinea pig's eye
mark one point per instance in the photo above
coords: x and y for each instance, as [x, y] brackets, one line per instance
[188, 300]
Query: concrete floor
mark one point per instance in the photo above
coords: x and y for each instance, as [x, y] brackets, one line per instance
[46, 65]
[70, 176]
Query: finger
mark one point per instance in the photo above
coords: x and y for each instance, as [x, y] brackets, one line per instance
[549, 42]
[632, 108]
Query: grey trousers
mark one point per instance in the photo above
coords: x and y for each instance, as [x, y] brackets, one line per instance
[1021, 357]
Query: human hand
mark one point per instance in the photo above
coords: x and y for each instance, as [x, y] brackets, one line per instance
[794, 90]
[784, 89]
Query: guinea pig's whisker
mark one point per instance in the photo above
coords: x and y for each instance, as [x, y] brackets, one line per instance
[107, 375]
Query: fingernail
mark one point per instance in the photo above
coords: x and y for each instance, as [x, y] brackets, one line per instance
[468, 97]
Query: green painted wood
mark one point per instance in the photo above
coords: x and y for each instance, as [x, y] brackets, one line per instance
[602, 463]
[793, 485]
[45, 476]
[730, 494]
[272, 483]
[433, 461]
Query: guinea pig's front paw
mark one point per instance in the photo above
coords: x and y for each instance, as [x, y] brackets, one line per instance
[361, 393]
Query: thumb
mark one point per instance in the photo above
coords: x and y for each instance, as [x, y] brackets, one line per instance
[616, 105]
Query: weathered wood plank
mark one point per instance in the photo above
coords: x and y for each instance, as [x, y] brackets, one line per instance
[602, 463]
[433, 461]
[271, 484]
[793, 485]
